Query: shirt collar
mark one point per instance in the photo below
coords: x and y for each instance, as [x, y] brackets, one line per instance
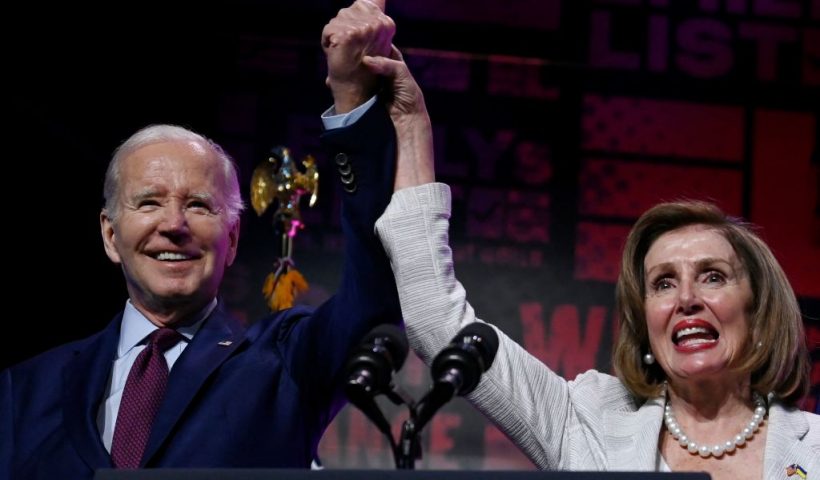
[135, 327]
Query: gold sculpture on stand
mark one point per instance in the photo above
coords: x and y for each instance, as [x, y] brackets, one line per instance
[279, 179]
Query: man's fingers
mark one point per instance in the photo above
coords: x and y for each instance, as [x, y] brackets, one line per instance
[379, 3]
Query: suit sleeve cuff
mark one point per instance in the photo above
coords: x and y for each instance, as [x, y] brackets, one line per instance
[332, 121]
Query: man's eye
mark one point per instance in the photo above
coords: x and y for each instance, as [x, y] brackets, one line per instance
[147, 203]
[199, 206]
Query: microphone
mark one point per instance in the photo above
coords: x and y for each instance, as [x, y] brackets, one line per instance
[370, 369]
[457, 369]
[470, 353]
[380, 353]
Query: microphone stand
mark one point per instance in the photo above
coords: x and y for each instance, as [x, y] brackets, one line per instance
[409, 445]
[408, 449]
[420, 414]
[458, 368]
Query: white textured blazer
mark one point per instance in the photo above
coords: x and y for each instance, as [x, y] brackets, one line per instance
[590, 423]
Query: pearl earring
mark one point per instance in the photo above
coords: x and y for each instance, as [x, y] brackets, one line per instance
[649, 359]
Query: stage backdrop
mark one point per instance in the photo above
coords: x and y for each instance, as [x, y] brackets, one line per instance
[557, 124]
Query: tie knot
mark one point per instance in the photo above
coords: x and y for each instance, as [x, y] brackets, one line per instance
[164, 338]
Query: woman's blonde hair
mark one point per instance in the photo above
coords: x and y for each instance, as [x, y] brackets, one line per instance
[776, 356]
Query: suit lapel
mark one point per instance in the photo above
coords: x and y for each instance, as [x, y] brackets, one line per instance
[783, 442]
[85, 380]
[631, 438]
[218, 338]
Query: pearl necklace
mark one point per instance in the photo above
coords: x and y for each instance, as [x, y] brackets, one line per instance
[719, 449]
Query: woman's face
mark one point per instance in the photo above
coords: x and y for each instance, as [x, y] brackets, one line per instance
[697, 301]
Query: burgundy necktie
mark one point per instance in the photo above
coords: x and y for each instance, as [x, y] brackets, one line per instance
[141, 397]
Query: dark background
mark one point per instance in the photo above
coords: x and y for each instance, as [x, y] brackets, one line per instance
[557, 124]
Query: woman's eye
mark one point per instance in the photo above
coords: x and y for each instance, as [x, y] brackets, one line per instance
[662, 284]
[714, 277]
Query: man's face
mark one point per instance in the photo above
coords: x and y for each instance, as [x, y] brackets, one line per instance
[171, 233]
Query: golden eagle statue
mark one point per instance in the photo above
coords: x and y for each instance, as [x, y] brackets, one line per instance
[278, 180]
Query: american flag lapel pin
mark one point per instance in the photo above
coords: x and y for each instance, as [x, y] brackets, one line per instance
[795, 469]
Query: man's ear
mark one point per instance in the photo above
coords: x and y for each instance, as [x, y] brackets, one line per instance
[233, 244]
[109, 237]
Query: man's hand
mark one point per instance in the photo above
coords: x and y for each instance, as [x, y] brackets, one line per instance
[359, 30]
[360, 57]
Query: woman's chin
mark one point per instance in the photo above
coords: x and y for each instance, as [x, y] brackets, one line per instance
[700, 367]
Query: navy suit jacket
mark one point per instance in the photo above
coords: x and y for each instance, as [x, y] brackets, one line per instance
[260, 397]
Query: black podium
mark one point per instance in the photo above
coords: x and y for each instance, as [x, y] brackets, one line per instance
[271, 474]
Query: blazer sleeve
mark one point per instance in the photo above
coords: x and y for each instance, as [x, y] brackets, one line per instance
[318, 345]
[529, 402]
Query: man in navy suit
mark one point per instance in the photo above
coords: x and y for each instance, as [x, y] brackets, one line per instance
[260, 397]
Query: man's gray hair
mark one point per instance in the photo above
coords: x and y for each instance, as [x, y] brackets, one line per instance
[163, 133]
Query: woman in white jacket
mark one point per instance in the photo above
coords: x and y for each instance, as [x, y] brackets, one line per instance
[711, 357]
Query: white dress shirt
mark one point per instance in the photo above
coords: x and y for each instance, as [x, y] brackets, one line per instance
[134, 332]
